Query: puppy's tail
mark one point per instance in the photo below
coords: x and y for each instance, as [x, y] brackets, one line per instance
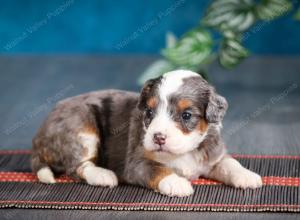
[42, 170]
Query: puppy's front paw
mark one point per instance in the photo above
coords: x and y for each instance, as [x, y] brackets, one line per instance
[98, 176]
[246, 179]
[174, 185]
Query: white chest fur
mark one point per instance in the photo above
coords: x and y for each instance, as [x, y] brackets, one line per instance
[189, 165]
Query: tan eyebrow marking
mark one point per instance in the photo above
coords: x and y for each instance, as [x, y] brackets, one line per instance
[152, 102]
[183, 104]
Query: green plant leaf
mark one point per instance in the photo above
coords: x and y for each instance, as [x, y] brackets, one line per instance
[231, 53]
[192, 50]
[233, 15]
[297, 15]
[154, 70]
[271, 9]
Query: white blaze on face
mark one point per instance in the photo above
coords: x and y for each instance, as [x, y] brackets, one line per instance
[171, 82]
[176, 141]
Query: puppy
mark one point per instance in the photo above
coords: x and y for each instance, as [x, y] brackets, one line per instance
[160, 139]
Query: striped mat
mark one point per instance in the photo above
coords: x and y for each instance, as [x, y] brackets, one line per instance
[280, 193]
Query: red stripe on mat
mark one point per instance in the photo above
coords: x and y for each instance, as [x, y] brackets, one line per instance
[30, 177]
[297, 157]
[150, 204]
[267, 180]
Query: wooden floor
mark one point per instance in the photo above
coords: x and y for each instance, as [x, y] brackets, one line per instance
[263, 95]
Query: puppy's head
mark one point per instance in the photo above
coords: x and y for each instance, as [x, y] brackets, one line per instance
[177, 109]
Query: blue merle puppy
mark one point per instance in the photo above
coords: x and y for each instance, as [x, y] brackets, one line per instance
[160, 139]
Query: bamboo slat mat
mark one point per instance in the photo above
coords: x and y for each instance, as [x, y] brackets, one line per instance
[280, 193]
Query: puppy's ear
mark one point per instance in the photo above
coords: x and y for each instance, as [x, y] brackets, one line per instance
[216, 107]
[146, 92]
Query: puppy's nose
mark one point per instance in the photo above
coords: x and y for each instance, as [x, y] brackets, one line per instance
[159, 138]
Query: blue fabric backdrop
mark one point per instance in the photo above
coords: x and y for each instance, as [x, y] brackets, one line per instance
[132, 26]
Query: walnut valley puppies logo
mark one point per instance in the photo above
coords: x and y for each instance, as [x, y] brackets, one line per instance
[41, 108]
[122, 127]
[38, 25]
[275, 13]
[116, 131]
[262, 109]
[150, 24]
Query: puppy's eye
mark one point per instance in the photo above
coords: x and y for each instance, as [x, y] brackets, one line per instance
[186, 116]
[149, 113]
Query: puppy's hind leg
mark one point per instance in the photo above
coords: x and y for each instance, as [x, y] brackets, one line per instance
[87, 169]
[97, 176]
[45, 175]
[43, 171]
